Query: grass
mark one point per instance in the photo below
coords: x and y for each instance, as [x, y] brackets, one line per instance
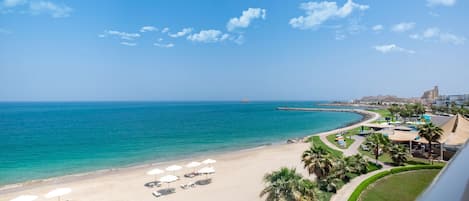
[371, 180]
[373, 166]
[405, 186]
[348, 142]
[316, 141]
[383, 112]
[386, 158]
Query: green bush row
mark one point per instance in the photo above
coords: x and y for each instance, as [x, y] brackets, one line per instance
[362, 186]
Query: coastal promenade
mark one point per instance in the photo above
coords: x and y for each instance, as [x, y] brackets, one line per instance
[238, 177]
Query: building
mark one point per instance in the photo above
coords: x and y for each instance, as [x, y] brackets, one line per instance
[447, 100]
[430, 96]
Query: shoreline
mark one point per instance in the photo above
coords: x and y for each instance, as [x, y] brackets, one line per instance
[32, 184]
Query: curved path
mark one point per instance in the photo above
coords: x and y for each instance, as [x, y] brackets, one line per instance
[347, 190]
[353, 149]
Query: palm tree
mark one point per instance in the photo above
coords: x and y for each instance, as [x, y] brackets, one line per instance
[419, 109]
[318, 161]
[432, 134]
[377, 141]
[398, 154]
[287, 185]
[358, 164]
[394, 109]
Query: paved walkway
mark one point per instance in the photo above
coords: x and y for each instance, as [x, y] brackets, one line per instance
[344, 193]
[352, 148]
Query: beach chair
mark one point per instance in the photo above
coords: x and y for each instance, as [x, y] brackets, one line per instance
[191, 184]
[156, 194]
[190, 175]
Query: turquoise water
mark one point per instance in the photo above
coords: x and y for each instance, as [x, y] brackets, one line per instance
[41, 140]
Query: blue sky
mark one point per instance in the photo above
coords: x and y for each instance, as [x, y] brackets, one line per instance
[228, 50]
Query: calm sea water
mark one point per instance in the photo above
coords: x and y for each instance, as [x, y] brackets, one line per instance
[41, 140]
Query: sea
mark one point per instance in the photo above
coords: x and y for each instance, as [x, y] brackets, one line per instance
[40, 140]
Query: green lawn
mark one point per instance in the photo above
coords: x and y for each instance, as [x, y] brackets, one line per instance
[318, 142]
[348, 142]
[405, 186]
[385, 158]
[382, 112]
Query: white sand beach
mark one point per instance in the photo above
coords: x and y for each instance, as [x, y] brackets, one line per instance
[238, 177]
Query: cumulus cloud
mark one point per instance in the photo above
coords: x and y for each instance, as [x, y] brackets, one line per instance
[13, 3]
[121, 35]
[37, 7]
[317, 13]
[245, 19]
[403, 27]
[392, 48]
[56, 11]
[208, 36]
[169, 45]
[434, 34]
[128, 44]
[148, 29]
[441, 2]
[181, 33]
[377, 27]
[165, 30]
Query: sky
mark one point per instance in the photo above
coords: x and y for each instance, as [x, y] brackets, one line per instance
[62, 50]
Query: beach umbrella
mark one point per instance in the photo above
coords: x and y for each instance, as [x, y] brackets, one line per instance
[206, 170]
[58, 193]
[209, 161]
[168, 179]
[25, 198]
[155, 172]
[193, 164]
[173, 168]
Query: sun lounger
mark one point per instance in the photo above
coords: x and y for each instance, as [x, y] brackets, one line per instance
[156, 194]
[190, 175]
[189, 185]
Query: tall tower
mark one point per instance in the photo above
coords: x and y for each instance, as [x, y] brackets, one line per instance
[435, 92]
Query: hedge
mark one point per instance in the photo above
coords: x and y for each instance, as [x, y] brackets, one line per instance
[362, 186]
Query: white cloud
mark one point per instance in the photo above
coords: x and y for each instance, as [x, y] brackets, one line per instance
[181, 33]
[319, 12]
[377, 27]
[122, 35]
[148, 29]
[245, 19]
[13, 3]
[128, 44]
[56, 11]
[36, 7]
[169, 45]
[392, 48]
[434, 34]
[102, 35]
[403, 27]
[208, 36]
[441, 2]
[164, 30]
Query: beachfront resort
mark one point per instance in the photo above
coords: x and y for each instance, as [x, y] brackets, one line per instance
[234, 100]
[385, 156]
